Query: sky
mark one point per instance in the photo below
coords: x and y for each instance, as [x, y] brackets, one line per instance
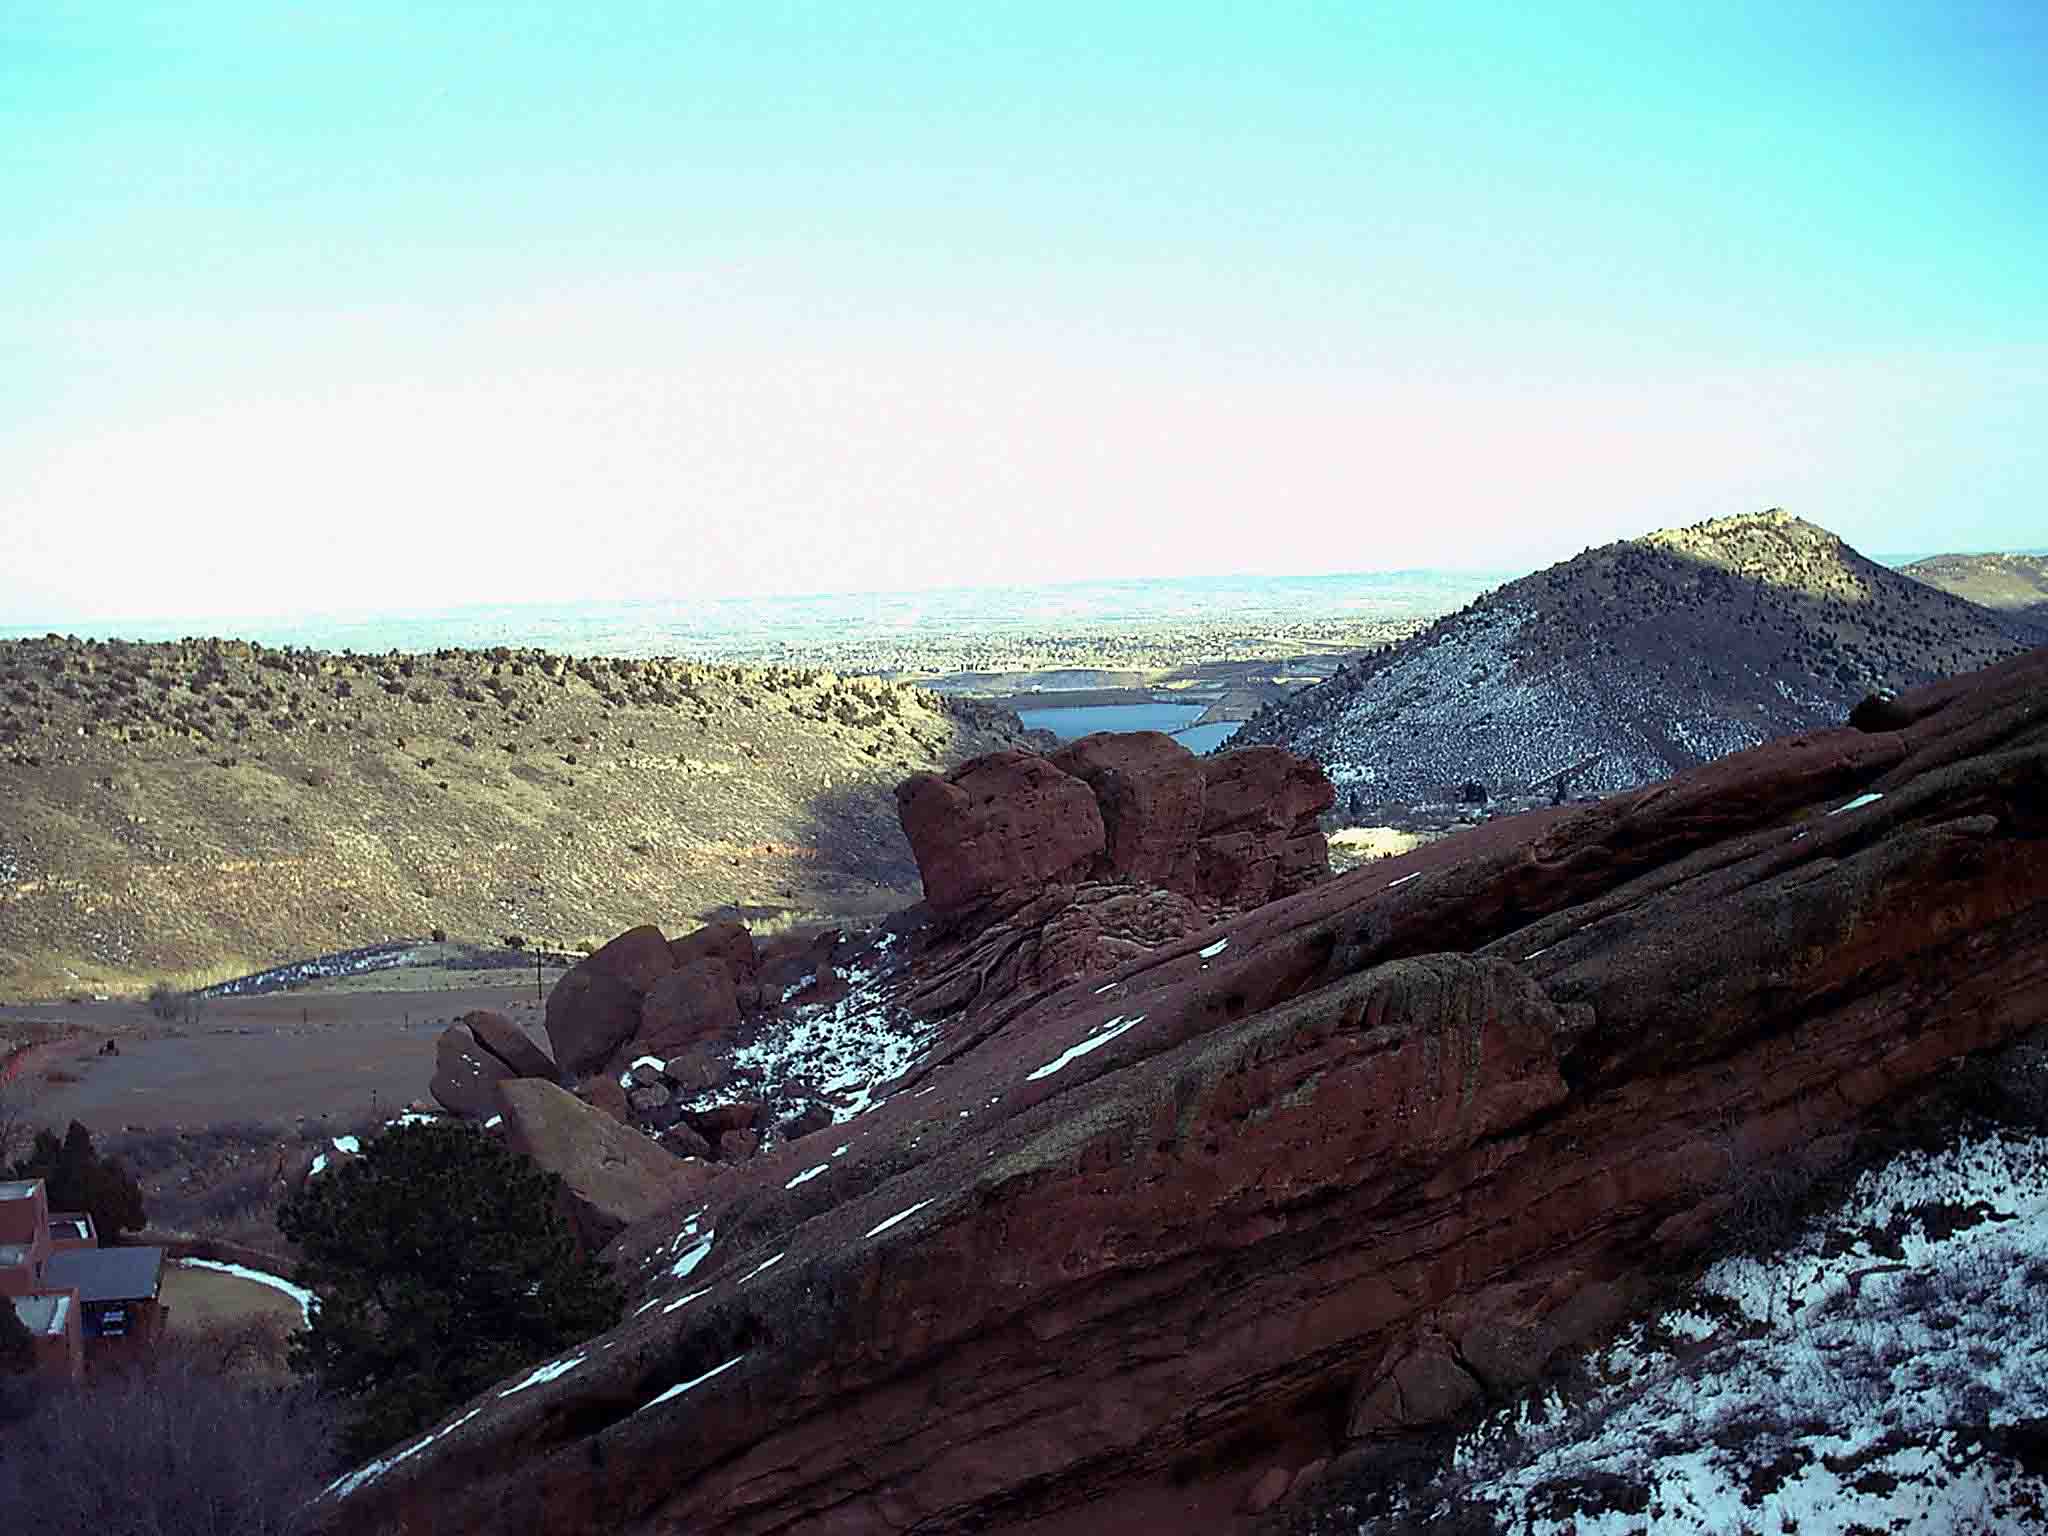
[373, 306]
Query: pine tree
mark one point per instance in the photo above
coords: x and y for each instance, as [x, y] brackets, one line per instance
[442, 1264]
[78, 1179]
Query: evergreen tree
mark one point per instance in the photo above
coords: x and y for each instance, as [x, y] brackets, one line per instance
[78, 1179]
[17, 1344]
[442, 1264]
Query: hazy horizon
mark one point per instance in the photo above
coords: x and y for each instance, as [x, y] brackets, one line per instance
[389, 308]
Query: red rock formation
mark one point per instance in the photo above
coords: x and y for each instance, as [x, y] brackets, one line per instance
[466, 1075]
[997, 828]
[509, 1043]
[596, 1007]
[1149, 789]
[1128, 1247]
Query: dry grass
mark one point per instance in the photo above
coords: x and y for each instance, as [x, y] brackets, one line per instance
[190, 812]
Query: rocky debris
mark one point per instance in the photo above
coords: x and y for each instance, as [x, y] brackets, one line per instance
[1627, 664]
[1334, 1168]
[611, 1175]
[1137, 808]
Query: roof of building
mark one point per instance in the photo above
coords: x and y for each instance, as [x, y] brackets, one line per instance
[107, 1274]
[43, 1314]
[71, 1227]
[18, 1189]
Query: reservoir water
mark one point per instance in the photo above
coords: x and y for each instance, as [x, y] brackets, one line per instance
[1177, 720]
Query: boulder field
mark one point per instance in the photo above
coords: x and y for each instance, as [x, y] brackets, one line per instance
[1146, 1248]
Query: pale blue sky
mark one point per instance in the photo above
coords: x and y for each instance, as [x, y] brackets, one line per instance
[348, 306]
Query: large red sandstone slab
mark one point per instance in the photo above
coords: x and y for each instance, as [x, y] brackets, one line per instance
[612, 1176]
[1298, 1176]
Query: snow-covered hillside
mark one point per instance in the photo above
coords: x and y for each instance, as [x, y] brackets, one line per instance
[1887, 1372]
[1628, 664]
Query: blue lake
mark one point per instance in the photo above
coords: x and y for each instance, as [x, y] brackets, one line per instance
[1177, 720]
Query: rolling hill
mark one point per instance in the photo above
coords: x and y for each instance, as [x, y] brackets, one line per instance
[2011, 584]
[1629, 663]
[200, 809]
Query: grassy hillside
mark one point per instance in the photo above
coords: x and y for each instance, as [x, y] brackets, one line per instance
[2015, 584]
[199, 809]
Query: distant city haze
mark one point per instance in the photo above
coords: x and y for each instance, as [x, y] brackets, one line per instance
[377, 308]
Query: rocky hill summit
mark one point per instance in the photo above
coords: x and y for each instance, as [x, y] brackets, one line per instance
[1628, 663]
[203, 809]
[2014, 584]
[1182, 1236]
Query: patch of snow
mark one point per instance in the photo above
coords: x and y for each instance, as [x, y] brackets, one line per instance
[1851, 1382]
[1412, 875]
[1111, 987]
[683, 1386]
[683, 1301]
[494, 1120]
[807, 1175]
[1073, 1053]
[762, 1267]
[545, 1373]
[1858, 803]
[349, 1145]
[839, 1151]
[689, 1261]
[319, 1166]
[880, 1227]
[349, 1482]
[649, 1061]
[845, 1049]
[1214, 949]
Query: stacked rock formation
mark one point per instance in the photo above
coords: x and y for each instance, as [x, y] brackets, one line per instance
[477, 1053]
[1144, 1252]
[1233, 830]
[642, 994]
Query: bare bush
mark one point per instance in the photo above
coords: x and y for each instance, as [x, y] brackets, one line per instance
[169, 1449]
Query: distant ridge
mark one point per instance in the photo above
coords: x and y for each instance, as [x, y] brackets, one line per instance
[2015, 583]
[1631, 662]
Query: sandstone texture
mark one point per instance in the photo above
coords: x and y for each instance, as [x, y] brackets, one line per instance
[473, 1056]
[611, 1175]
[1145, 1250]
[1235, 830]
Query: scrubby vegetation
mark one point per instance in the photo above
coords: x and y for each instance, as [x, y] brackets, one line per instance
[443, 1264]
[185, 812]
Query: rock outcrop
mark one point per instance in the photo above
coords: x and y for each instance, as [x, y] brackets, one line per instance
[611, 1175]
[1337, 1167]
[643, 995]
[1138, 808]
[473, 1056]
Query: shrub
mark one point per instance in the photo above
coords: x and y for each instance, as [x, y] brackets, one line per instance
[442, 1264]
[169, 1449]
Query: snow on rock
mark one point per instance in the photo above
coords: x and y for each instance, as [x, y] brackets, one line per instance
[546, 1373]
[904, 1215]
[1207, 954]
[349, 1482]
[806, 1176]
[1858, 803]
[1096, 1041]
[846, 1048]
[1861, 1380]
[761, 1268]
[695, 1381]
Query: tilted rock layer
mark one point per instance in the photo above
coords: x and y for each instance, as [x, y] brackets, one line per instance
[1333, 1168]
